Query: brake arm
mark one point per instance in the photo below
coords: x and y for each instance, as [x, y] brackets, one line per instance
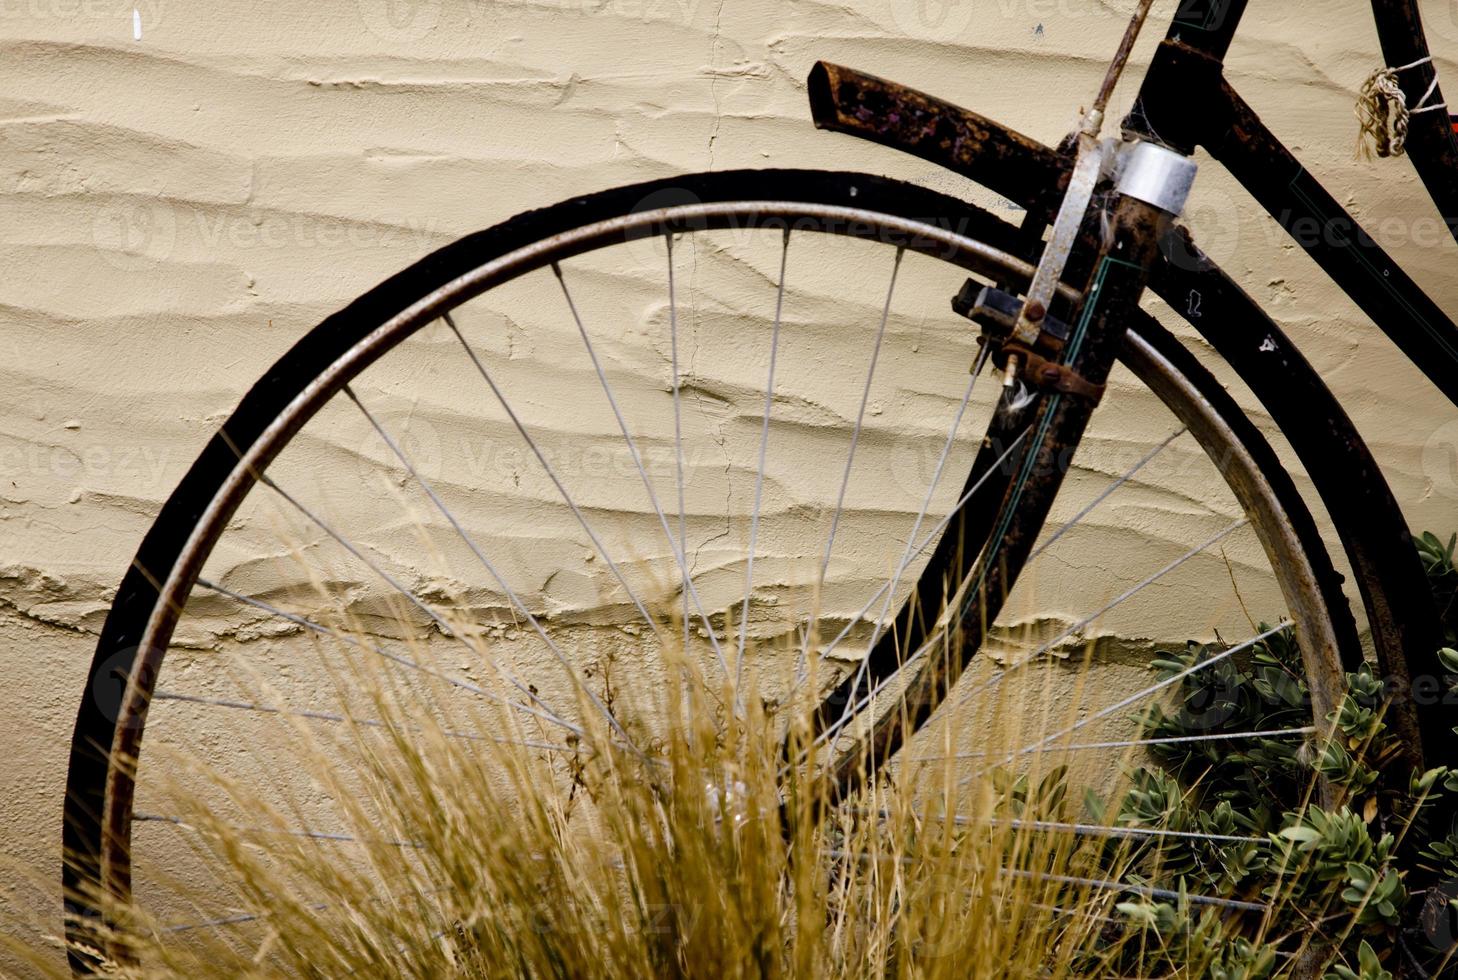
[1049, 375]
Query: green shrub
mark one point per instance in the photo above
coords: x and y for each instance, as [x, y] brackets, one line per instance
[1330, 863]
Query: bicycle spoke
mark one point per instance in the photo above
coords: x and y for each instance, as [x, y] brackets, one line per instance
[769, 401]
[909, 553]
[1138, 696]
[1098, 830]
[1143, 742]
[551, 474]
[860, 420]
[373, 566]
[319, 835]
[1104, 495]
[1115, 603]
[1163, 894]
[543, 712]
[912, 548]
[1136, 833]
[572, 674]
[246, 917]
[229, 920]
[855, 707]
[1081, 829]
[330, 716]
[678, 439]
[607, 389]
[858, 706]
[1100, 884]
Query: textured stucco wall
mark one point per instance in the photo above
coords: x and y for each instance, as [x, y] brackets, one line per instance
[176, 208]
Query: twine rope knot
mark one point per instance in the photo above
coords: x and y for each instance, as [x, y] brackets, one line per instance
[1383, 114]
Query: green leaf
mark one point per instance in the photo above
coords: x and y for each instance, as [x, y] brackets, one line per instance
[1449, 658]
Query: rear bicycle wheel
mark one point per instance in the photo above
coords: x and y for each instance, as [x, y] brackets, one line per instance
[639, 420]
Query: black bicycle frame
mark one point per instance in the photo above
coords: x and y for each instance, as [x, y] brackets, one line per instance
[1432, 141]
[1186, 102]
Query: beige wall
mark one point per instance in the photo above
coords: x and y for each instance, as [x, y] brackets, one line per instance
[176, 209]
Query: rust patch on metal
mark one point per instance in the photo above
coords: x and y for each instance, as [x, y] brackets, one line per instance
[1016, 166]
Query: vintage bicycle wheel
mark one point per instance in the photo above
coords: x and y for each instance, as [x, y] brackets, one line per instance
[733, 412]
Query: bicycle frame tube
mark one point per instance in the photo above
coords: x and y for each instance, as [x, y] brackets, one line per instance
[1186, 102]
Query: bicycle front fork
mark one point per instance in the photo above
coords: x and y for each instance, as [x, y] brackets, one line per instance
[1058, 373]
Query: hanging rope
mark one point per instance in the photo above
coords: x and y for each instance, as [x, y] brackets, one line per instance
[1383, 114]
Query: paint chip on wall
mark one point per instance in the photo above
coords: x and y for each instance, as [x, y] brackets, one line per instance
[136, 24]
